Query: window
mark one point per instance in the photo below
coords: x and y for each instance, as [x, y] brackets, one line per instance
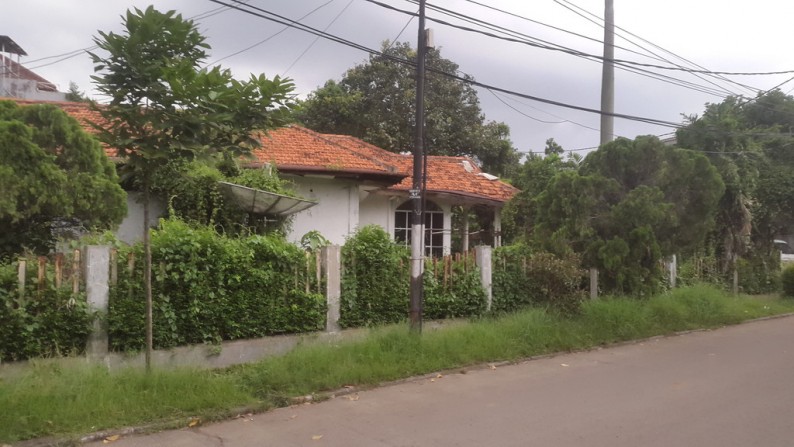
[434, 227]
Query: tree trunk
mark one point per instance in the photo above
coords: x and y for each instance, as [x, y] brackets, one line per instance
[147, 276]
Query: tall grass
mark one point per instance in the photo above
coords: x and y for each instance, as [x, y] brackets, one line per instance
[50, 399]
[53, 400]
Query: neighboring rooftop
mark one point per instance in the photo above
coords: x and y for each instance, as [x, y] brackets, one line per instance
[7, 45]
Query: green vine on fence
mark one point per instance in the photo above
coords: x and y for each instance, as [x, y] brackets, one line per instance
[210, 287]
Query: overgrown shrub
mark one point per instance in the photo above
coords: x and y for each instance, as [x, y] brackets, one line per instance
[209, 287]
[45, 322]
[375, 281]
[522, 278]
[758, 274]
[787, 280]
[452, 289]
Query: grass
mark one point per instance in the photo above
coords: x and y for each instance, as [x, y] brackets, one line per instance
[67, 399]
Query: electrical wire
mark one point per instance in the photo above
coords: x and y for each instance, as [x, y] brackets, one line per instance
[539, 43]
[268, 15]
[600, 24]
[316, 38]
[250, 47]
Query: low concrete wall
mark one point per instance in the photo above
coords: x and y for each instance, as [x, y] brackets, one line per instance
[212, 356]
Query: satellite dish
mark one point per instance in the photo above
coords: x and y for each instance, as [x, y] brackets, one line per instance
[263, 203]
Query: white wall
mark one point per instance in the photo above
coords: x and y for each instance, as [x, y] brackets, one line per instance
[131, 228]
[378, 210]
[27, 89]
[335, 216]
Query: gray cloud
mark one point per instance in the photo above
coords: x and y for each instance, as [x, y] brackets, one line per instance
[721, 35]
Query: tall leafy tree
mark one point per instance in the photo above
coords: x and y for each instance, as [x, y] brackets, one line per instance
[749, 141]
[164, 107]
[52, 174]
[375, 101]
[630, 203]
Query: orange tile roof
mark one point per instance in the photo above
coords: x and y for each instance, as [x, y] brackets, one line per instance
[300, 150]
[297, 149]
[452, 175]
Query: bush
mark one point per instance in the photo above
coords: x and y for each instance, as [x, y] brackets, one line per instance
[787, 280]
[460, 295]
[209, 287]
[47, 322]
[522, 278]
[375, 281]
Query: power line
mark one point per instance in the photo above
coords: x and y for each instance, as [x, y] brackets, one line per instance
[316, 38]
[572, 5]
[268, 15]
[270, 36]
[529, 40]
[555, 47]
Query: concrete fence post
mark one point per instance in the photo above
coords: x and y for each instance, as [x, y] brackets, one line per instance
[673, 268]
[332, 272]
[593, 283]
[97, 287]
[482, 256]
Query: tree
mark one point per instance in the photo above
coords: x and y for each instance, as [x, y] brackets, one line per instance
[163, 107]
[74, 94]
[750, 144]
[375, 101]
[629, 204]
[53, 175]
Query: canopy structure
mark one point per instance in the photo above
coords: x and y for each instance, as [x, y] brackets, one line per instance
[264, 203]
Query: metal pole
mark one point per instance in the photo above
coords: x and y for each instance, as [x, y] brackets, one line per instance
[417, 221]
[608, 75]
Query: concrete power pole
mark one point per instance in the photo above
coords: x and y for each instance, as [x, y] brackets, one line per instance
[417, 221]
[608, 75]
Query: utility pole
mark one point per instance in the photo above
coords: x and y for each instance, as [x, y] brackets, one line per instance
[417, 220]
[608, 75]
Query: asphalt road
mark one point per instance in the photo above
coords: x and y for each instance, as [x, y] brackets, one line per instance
[727, 387]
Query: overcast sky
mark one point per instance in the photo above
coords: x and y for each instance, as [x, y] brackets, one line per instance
[719, 35]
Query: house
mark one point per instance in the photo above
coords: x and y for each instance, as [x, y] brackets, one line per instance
[355, 184]
[17, 81]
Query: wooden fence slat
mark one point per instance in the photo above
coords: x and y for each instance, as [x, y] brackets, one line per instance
[318, 270]
[42, 274]
[131, 263]
[76, 272]
[21, 273]
[447, 263]
[58, 270]
[308, 267]
[114, 267]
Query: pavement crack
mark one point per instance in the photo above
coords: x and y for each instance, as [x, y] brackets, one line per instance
[207, 435]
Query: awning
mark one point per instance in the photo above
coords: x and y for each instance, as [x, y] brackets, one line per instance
[256, 201]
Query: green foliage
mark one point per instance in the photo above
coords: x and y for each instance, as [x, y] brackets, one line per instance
[522, 278]
[787, 281]
[758, 274]
[194, 196]
[531, 178]
[452, 289]
[630, 204]
[210, 287]
[374, 279]
[375, 101]
[52, 174]
[749, 142]
[46, 322]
